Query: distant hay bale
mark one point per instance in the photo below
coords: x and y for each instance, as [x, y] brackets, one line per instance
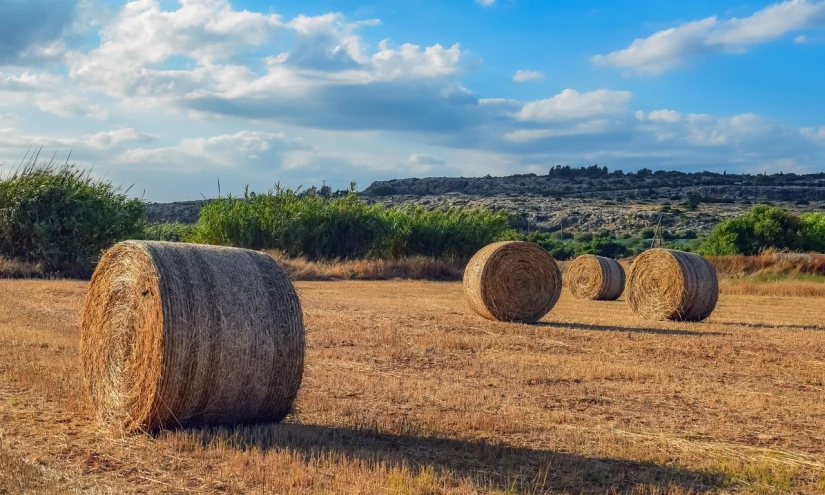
[512, 281]
[595, 277]
[179, 334]
[665, 284]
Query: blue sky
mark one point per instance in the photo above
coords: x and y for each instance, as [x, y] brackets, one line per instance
[172, 95]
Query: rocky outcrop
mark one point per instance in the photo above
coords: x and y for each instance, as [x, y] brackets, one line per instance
[668, 185]
[623, 204]
[181, 211]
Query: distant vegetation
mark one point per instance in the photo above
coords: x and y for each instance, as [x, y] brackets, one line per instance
[766, 227]
[319, 227]
[62, 217]
[563, 180]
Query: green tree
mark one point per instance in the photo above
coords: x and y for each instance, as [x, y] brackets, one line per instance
[761, 228]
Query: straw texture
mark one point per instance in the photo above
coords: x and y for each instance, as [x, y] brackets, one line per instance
[177, 334]
[512, 281]
[664, 284]
[595, 277]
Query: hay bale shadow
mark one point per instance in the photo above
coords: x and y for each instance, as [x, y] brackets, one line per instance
[613, 328]
[490, 465]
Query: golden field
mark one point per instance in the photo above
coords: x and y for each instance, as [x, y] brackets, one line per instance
[407, 391]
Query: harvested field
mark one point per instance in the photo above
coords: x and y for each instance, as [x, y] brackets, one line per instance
[406, 390]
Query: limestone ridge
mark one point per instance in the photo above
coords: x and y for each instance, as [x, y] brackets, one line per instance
[614, 202]
[785, 187]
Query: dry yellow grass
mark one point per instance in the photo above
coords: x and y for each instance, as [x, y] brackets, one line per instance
[408, 391]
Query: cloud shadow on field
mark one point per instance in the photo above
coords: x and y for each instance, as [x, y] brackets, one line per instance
[492, 466]
[611, 328]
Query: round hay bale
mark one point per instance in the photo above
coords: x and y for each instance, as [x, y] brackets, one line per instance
[177, 334]
[595, 277]
[512, 281]
[665, 284]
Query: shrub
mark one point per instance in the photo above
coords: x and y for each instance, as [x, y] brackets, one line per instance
[812, 231]
[601, 247]
[765, 227]
[170, 231]
[583, 236]
[62, 216]
[346, 227]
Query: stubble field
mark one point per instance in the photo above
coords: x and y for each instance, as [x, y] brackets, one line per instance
[407, 391]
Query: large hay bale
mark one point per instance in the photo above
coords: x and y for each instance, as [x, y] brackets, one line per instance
[512, 281]
[665, 284]
[595, 277]
[179, 334]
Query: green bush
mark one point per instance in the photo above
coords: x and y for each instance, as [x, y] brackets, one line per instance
[170, 231]
[812, 231]
[765, 227]
[345, 227]
[63, 217]
[584, 244]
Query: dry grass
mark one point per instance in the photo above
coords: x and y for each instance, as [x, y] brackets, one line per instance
[407, 391]
[769, 262]
[415, 268]
[18, 269]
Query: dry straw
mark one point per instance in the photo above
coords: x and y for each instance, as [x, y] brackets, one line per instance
[664, 284]
[595, 277]
[512, 281]
[179, 334]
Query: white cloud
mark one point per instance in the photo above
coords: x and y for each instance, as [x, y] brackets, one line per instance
[672, 48]
[570, 104]
[226, 151]
[117, 137]
[817, 135]
[29, 82]
[425, 160]
[526, 135]
[486, 3]
[527, 75]
[801, 39]
[70, 105]
[196, 76]
[196, 58]
[663, 115]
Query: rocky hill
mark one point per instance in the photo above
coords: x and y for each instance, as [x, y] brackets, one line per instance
[598, 183]
[589, 199]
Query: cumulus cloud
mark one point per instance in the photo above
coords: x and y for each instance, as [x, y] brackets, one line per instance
[72, 106]
[527, 75]
[227, 150]
[570, 104]
[486, 3]
[672, 48]
[526, 135]
[198, 73]
[425, 160]
[814, 134]
[118, 137]
[323, 78]
[29, 82]
[663, 115]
